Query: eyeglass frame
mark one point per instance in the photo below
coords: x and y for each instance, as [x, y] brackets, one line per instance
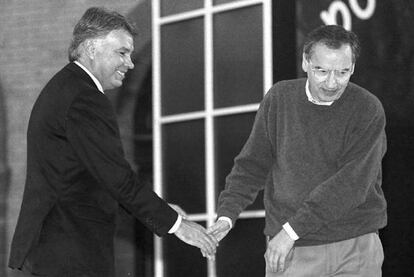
[349, 72]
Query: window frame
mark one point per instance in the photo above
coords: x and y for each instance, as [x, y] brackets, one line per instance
[209, 113]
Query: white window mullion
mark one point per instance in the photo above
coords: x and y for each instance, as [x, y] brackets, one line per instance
[267, 46]
[209, 123]
[157, 149]
[216, 112]
[214, 9]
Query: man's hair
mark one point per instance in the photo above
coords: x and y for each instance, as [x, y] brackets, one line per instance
[96, 22]
[332, 36]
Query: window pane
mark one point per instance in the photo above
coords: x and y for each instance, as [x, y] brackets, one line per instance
[181, 259]
[241, 252]
[169, 7]
[182, 67]
[238, 57]
[183, 161]
[231, 133]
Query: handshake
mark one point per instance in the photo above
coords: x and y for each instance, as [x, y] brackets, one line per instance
[196, 235]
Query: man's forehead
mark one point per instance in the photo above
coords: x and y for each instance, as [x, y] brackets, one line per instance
[127, 49]
[121, 38]
[325, 47]
[323, 53]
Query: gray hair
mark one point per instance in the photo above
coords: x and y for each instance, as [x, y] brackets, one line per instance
[96, 22]
[333, 36]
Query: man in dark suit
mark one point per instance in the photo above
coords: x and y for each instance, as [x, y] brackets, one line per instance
[76, 172]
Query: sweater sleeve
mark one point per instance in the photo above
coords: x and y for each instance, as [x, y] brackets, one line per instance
[93, 133]
[250, 169]
[358, 169]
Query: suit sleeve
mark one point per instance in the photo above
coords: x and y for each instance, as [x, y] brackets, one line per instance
[93, 132]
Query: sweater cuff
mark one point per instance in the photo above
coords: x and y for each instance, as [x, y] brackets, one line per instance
[225, 218]
[292, 234]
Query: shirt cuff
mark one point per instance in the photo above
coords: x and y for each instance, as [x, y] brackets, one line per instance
[225, 218]
[292, 234]
[176, 225]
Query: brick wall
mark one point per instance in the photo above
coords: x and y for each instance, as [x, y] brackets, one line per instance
[34, 36]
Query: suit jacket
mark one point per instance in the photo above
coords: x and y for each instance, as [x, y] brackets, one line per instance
[76, 178]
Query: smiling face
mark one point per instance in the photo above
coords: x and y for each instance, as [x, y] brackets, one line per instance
[110, 58]
[328, 71]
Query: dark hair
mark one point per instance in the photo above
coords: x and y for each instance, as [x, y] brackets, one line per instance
[96, 22]
[333, 36]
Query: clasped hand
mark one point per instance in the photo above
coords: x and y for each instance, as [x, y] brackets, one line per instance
[218, 230]
[196, 235]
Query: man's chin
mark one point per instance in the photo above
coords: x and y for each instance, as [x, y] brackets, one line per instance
[330, 97]
[114, 85]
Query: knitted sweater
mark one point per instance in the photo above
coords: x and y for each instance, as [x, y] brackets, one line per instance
[319, 166]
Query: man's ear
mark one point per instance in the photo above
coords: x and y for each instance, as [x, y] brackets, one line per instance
[304, 63]
[353, 68]
[90, 48]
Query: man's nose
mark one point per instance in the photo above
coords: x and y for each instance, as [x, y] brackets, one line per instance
[128, 62]
[331, 80]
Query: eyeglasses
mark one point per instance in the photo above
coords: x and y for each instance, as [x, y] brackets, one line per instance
[323, 74]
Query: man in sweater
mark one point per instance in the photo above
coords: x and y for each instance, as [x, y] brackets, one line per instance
[316, 149]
